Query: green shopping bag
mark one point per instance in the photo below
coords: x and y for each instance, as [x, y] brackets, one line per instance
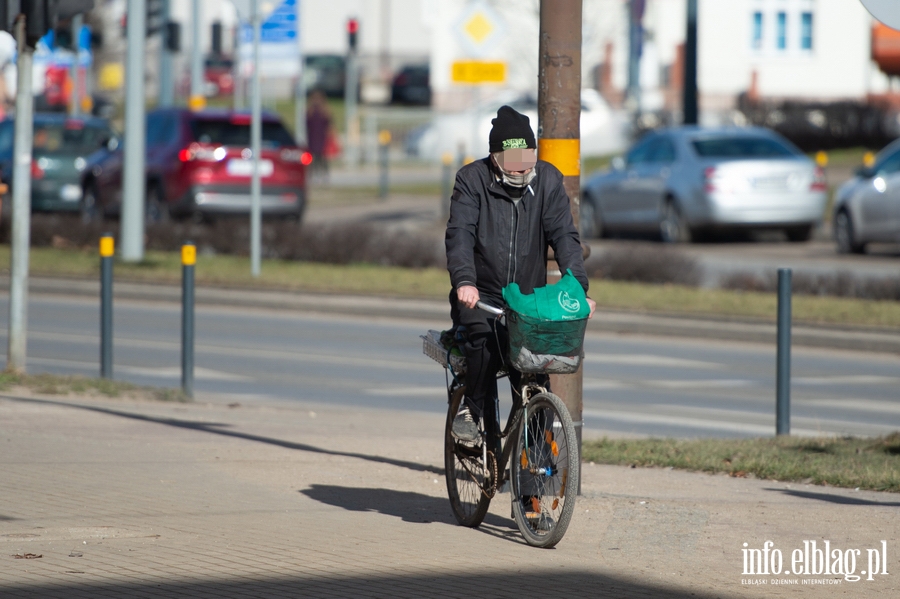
[563, 300]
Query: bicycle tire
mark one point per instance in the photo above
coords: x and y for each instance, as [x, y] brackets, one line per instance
[464, 472]
[545, 440]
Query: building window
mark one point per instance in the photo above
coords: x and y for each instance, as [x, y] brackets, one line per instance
[806, 30]
[757, 30]
[781, 31]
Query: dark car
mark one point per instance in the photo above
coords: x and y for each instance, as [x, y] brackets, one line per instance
[410, 86]
[325, 72]
[199, 164]
[62, 146]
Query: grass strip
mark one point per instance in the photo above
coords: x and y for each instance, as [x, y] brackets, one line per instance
[53, 384]
[850, 462]
[371, 279]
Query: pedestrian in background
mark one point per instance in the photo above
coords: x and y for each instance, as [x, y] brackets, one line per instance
[318, 131]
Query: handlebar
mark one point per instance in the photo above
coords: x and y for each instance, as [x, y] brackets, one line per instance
[489, 308]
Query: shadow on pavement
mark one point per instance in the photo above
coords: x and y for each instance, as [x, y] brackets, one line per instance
[217, 429]
[513, 585]
[409, 506]
[839, 499]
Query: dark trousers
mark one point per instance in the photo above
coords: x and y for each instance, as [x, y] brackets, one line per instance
[486, 347]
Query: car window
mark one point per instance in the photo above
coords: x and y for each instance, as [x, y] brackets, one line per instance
[888, 166]
[161, 128]
[226, 132]
[6, 137]
[661, 150]
[69, 137]
[741, 147]
[638, 154]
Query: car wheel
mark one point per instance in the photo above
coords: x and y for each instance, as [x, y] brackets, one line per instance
[799, 234]
[672, 228]
[90, 210]
[157, 211]
[844, 236]
[588, 218]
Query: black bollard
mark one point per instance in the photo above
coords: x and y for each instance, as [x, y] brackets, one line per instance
[783, 368]
[107, 250]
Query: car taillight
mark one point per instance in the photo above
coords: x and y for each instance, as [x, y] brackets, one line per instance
[36, 171]
[201, 153]
[709, 175]
[818, 183]
[292, 155]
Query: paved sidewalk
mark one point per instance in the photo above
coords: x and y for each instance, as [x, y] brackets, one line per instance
[140, 499]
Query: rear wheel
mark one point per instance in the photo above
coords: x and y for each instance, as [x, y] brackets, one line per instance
[90, 210]
[544, 471]
[845, 236]
[589, 221]
[470, 491]
[672, 227]
[157, 210]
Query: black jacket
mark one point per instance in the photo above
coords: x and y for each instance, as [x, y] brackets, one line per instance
[492, 241]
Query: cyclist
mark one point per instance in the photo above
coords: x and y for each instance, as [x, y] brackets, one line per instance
[505, 211]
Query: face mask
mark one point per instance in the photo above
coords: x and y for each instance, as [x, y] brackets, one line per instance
[514, 179]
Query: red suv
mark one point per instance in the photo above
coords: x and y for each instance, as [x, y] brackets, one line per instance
[199, 164]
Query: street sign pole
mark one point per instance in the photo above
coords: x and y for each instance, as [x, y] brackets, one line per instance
[300, 100]
[21, 206]
[133, 177]
[197, 100]
[166, 62]
[559, 138]
[75, 100]
[255, 148]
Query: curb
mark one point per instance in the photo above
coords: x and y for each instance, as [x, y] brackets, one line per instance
[754, 331]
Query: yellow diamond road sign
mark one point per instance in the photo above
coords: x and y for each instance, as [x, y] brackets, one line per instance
[478, 27]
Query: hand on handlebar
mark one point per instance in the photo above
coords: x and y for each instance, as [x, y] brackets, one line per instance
[468, 295]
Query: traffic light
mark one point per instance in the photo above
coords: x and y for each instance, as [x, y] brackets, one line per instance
[155, 16]
[173, 36]
[39, 19]
[352, 31]
[63, 36]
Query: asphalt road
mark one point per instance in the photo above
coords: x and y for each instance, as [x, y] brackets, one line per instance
[633, 385]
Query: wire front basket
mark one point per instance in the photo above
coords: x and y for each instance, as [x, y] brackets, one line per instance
[545, 346]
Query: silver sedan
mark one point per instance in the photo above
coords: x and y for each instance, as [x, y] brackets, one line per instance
[867, 207]
[685, 181]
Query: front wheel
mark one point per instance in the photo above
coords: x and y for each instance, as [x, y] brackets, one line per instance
[470, 491]
[544, 471]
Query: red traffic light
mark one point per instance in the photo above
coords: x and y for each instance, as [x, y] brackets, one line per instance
[352, 26]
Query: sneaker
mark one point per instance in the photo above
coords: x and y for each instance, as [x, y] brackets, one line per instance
[464, 427]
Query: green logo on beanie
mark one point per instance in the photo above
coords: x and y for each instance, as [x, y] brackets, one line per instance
[515, 144]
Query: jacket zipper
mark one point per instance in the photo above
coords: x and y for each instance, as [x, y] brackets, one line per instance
[512, 244]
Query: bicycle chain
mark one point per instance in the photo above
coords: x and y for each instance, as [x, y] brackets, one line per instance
[492, 469]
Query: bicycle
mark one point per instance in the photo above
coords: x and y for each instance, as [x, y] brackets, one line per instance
[543, 476]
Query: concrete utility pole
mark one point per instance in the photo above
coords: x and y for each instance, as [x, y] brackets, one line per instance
[300, 89]
[21, 205]
[559, 135]
[134, 185]
[689, 103]
[635, 47]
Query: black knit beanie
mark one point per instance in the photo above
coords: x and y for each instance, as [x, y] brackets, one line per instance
[511, 130]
